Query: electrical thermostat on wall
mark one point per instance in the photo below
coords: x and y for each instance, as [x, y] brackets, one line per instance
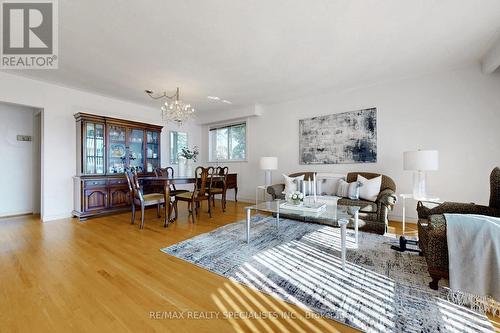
[24, 138]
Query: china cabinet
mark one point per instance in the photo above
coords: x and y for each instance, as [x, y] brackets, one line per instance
[105, 148]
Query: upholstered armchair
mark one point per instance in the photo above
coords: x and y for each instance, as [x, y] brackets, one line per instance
[372, 215]
[432, 228]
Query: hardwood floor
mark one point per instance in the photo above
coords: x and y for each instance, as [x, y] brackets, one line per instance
[106, 275]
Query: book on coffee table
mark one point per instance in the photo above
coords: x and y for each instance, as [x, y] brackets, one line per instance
[309, 207]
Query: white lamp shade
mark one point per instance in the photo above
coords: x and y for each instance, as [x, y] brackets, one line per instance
[268, 163]
[421, 160]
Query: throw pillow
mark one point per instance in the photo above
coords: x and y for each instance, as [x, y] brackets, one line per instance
[292, 183]
[370, 188]
[328, 186]
[348, 190]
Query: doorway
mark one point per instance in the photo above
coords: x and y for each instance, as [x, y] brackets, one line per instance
[20, 154]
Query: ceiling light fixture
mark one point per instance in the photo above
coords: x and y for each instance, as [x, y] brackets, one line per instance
[174, 108]
[215, 98]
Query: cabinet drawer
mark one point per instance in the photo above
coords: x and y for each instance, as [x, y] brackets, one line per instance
[95, 182]
[120, 181]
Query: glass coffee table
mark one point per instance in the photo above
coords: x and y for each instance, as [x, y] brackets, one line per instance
[333, 215]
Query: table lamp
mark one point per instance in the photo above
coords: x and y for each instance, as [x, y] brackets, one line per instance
[268, 164]
[419, 162]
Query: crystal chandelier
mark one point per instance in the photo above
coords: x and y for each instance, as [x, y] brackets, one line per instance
[174, 109]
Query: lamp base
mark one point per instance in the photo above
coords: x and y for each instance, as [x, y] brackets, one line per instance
[419, 185]
[269, 178]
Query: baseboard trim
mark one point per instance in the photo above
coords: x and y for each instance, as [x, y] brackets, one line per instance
[56, 217]
[10, 215]
[399, 218]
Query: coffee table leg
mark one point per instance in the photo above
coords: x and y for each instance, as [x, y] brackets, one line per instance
[278, 214]
[356, 226]
[248, 224]
[343, 233]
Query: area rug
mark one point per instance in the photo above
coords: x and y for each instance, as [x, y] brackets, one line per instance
[380, 290]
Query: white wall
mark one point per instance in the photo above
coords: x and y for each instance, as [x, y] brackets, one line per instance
[18, 177]
[456, 112]
[59, 133]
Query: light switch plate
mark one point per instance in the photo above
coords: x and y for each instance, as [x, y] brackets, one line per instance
[24, 138]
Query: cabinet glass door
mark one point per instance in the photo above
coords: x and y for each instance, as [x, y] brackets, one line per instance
[94, 148]
[152, 150]
[117, 150]
[136, 149]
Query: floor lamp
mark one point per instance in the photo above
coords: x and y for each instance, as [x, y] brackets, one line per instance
[268, 163]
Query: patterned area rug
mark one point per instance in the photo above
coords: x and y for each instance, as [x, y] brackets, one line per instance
[381, 290]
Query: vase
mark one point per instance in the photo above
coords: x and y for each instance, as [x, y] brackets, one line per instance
[185, 167]
[182, 167]
[189, 168]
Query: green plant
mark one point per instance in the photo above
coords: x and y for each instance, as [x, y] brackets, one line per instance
[189, 154]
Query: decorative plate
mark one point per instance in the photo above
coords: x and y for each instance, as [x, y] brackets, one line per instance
[117, 150]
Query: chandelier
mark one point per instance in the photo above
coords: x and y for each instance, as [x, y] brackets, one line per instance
[174, 109]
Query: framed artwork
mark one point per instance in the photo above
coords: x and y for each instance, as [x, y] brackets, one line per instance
[348, 137]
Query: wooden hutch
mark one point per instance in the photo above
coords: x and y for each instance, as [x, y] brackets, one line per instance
[105, 147]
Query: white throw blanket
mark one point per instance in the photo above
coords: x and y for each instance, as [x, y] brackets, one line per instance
[474, 260]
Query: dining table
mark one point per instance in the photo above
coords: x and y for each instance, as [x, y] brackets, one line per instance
[166, 182]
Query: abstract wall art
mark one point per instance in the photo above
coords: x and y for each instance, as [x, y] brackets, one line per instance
[349, 137]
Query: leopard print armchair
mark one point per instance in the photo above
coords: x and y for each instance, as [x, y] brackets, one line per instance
[432, 228]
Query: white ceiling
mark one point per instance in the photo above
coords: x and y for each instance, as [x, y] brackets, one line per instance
[261, 51]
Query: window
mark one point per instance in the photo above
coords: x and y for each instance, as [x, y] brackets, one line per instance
[178, 140]
[228, 143]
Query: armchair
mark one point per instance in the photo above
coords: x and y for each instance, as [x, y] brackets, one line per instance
[432, 228]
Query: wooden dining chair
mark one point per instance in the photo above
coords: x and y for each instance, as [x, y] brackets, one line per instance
[200, 193]
[219, 186]
[169, 172]
[142, 200]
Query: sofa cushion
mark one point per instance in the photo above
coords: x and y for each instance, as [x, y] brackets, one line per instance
[387, 182]
[370, 188]
[328, 183]
[348, 190]
[292, 183]
[328, 199]
[366, 206]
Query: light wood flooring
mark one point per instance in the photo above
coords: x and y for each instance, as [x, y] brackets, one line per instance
[106, 275]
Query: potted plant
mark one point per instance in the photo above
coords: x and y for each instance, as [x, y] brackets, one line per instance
[186, 158]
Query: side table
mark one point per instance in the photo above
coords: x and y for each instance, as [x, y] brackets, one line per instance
[263, 188]
[435, 200]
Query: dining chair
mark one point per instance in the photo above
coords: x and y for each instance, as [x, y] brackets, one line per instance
[139, 199]
[169, 172]
[200, 193]
[219, 186]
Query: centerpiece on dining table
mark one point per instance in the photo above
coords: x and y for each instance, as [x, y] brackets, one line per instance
[186, 158]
